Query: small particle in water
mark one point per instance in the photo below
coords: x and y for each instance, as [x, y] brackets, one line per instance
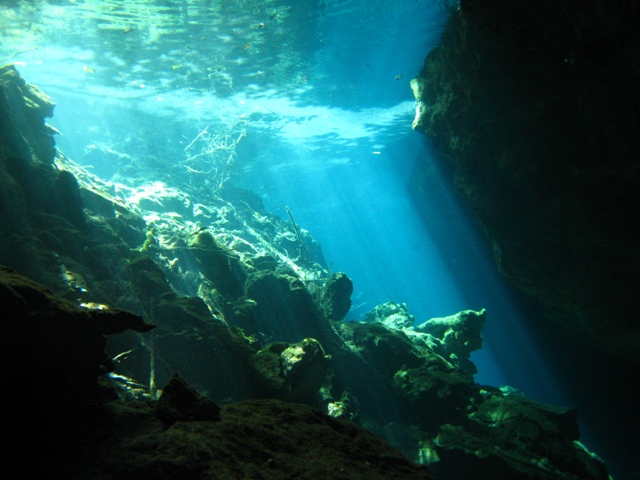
[127, 30]
[398, 76]
[260, 25]
[176, 67]
[88, 69]
[246, 46]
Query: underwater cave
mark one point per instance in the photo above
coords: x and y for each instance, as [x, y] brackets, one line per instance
[321, 239]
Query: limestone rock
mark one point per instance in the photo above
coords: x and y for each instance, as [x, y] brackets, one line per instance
[219, 264]
[293, 372]
[458, 335]
[393, 315]
[453, 337]
[305, 366]
[435, 394]
[52, 351]
[284, 309]
[338, 291]
[266, 439]
[510, 436]
[384, 349]
[181, 402]
[23, 108]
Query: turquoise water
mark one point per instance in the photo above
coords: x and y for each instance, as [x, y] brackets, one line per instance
[321, 90]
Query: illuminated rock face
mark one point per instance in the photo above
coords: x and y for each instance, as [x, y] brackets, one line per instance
[536, 109]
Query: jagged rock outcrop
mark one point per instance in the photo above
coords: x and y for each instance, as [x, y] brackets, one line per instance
[453, 337]
[180, 402]
[54, 361]
[52, 354]
[58, 354]
[458, 427]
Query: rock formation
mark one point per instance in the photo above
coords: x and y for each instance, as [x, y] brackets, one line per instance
[536, 107]
[237, 320]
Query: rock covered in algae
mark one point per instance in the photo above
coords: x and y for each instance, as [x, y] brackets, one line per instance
[219, 264]
[53, 351]
[295, 372]
[337, 293]
[179, 401]
[456, 426]
[284, 308]
[458, 335]
[453, 337]
[509, 436]
[394, 315]
[266, 439]
[23, 108]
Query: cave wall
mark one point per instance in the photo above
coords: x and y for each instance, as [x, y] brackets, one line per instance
[535, 108]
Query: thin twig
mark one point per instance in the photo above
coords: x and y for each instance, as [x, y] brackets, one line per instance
[196, 139]
[295, 227]
[18, 53]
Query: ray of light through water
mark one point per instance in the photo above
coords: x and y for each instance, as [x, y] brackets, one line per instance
[337, 149]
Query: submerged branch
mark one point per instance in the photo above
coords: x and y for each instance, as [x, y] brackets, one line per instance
[18, 53]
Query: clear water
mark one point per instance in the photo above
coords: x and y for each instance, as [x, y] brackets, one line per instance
[322, 89]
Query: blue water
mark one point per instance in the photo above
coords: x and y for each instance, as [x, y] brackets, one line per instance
[337, 149]
[335, 145]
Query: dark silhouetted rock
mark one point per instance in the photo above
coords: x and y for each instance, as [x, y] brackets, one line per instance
[338, 291]
[266, 439]
[181, 402]
[535, 106]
